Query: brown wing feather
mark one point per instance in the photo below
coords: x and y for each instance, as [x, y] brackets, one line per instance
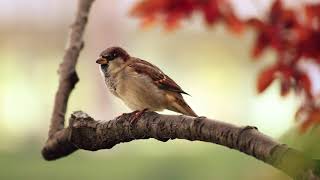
[159, 78]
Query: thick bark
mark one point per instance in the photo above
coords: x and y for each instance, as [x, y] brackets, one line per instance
[85, 133]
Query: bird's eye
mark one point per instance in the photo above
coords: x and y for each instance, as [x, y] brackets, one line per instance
[111, 56]
[105, 56]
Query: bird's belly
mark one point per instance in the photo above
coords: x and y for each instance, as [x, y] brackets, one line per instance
[140, 93]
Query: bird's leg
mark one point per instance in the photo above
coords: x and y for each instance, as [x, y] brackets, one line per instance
[136, 115]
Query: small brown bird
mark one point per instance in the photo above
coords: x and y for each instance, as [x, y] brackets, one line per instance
[139, 84]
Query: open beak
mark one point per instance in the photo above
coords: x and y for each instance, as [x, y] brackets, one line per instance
[102, 61]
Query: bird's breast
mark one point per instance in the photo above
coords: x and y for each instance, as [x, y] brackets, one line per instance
[139, 92]
[111, 83]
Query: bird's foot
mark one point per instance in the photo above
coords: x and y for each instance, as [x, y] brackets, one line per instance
[136, 115]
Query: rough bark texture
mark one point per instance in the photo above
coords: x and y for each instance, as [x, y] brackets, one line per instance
[85, 133]
[88, 134]
[68, 80]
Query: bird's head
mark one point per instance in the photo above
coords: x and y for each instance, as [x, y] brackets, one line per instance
[113, 58]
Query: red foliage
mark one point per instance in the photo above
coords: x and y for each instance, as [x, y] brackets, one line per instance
[266, 77]
[294, 36]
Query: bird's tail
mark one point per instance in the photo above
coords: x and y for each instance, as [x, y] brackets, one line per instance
[182, 107]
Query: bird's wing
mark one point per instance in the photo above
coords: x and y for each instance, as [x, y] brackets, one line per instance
[158, 77]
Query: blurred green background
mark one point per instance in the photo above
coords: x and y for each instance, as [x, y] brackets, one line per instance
[211, 64]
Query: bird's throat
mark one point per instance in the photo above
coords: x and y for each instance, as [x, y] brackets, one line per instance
[104, 67]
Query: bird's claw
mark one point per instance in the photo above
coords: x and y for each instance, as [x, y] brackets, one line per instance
[136, 115]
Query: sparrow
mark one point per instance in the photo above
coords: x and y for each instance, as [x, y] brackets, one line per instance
[141, 85]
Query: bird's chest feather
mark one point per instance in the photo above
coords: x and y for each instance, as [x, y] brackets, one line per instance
[136, 90]
[112, 85]
[139, 92]
[111, 81]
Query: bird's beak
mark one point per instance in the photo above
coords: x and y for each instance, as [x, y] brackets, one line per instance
[102, 61]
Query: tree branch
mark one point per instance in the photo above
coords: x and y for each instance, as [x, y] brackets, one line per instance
[67, 82]
[86, 133]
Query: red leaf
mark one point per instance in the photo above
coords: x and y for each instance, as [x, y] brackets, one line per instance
[173, 21]
[256, 23]
[261, 43]
[310, 46]
[312, 118]
[276, 11]
[285, 77]
[147, 7]
[265, 78]
[211, 12]
[304, 82]
[234, 23]
[148, 21]
[285, 87]
[313, 15]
